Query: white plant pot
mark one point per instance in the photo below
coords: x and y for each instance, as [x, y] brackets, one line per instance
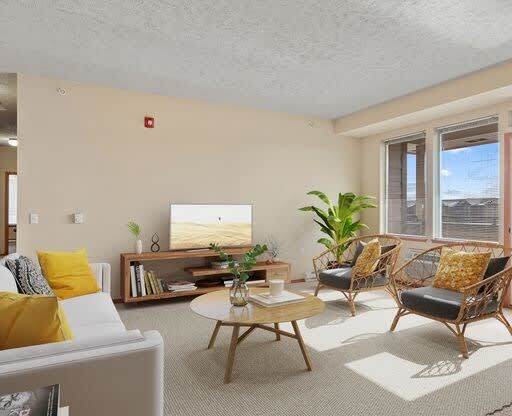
[138, 246]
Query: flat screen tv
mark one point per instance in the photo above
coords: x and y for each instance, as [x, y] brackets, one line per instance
[195, 226]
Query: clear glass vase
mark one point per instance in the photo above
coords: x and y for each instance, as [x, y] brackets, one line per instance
[239, 293]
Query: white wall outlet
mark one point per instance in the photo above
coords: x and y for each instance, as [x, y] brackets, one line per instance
[33, 218]
[309, 276]
[78, 218]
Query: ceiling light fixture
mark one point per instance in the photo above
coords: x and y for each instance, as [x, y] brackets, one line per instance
[13, 141]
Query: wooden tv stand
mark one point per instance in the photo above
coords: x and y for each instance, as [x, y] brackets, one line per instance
[262, 271]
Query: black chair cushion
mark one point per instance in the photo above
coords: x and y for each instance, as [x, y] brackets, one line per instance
[357, 253]
[495, 266]
[340, 278]
[441, 303]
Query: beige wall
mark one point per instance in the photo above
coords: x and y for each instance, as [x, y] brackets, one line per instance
[7, 164]
[88, 150]
[372, 180]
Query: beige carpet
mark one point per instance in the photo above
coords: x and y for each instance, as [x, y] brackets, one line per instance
[359, 367]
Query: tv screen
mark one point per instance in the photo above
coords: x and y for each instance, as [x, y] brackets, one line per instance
[197, 225]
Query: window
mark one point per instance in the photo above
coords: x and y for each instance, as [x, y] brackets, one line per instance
[13, 196]
[469, 186]
[405, 185]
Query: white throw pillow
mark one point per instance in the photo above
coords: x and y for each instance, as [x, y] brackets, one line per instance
[7, 281]
[12, 256]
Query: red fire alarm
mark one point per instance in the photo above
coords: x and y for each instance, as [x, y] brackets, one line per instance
[149, 122]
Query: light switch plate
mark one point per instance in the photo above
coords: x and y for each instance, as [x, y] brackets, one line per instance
[78, 218]
[34, 218]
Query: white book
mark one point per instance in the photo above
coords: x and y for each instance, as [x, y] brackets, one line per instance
[142, 284]
[267, 300]
[255, 282]
[186, 289]
[132, 279]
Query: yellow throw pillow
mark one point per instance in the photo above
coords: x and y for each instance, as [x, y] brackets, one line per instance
[458, 269]
[31, 320]
[68, 273]
[368, 260]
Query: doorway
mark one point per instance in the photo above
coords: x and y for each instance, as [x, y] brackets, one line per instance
[11, 214]
[8, 162]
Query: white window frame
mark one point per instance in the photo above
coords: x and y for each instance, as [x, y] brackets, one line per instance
[385, 166]
[433, 215]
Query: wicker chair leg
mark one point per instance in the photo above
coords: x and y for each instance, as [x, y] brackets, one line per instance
[501, 317]
[462, 342]
[397, 318]
[351, 304]
[317, 289]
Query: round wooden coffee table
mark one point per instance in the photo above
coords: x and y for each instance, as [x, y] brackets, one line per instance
[216, 306]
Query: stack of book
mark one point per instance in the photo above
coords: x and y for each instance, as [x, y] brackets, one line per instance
[39, 402]
[229, 283]
[269, 301]
[144, 282]
[181, 286]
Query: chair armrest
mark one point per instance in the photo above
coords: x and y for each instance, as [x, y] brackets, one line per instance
[334, 257]
[102, 272]
[124, 378]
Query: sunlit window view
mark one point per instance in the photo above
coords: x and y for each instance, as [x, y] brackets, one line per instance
[405, 187]
[469, 183]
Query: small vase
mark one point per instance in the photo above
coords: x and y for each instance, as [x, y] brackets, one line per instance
[138, 246]
[239, 293]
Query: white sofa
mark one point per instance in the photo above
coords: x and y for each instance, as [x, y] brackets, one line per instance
[105, 370]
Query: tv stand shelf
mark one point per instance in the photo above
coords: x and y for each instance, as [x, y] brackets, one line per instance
[208, 271]
[264, 271]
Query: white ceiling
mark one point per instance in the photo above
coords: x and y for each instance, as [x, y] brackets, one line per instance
[320, 57]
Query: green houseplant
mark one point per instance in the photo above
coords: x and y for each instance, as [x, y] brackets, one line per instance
[338, 220]
[135, 230]
[239, 269]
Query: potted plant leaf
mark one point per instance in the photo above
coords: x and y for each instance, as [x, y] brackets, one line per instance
[338, 220]
[239, 292]
[135, 230]
[222, 262]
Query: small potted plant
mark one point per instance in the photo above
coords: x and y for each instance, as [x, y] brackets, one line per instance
[239, 292]
[222, 262]
[273, 250]
[135, 230]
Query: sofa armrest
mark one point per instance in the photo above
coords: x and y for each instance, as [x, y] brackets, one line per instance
[122, 378]
[102, 273]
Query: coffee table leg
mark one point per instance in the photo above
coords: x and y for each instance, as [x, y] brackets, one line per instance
[214, 335]
[305, 353]
[278, 335]
[231, 353]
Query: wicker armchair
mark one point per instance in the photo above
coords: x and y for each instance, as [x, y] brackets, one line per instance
[333, 268]
[412, 289]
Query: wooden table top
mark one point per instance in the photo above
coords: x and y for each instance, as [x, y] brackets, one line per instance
[215, 305]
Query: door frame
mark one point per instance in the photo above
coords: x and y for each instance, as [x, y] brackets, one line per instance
[6, 211]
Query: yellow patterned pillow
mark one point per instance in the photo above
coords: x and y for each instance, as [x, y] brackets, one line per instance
[367, 261]
[458, 269]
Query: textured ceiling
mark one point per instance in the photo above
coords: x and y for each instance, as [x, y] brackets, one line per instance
[320, 58]
[8, 99]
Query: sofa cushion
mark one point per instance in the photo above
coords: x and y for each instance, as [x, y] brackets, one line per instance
[68, 273]
[7, 281]
[27, 320]
[28, 276]
[11, 256]
[58, 348]
[368, 260]
[441, 303]
[93, 314]
[460, 269]
[341, 278]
